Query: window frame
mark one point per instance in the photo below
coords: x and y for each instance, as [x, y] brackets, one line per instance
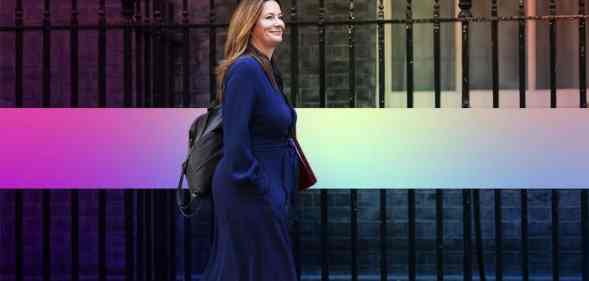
[567, 97]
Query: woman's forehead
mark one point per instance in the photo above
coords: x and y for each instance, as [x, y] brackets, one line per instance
[271, 7]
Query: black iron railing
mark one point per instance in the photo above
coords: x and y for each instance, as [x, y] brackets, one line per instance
[159, 42]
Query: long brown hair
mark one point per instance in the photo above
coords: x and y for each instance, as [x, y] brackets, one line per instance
[241, 25]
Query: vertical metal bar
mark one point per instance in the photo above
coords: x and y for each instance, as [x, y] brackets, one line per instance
[46, 207]
[322, 94]
[127, 54]
[582, 57]
[498, 237]
[172, 227]
[351, 57]
[439, 235]
[46, 102]
[322, 104]
[139, 34]
[167, 235]
[145, 236]
[585, 232]
[437, 47]
[153, 255]
[149, 235]
[524, 234]
[102, 235]
[383, 234]
[353, 101]
[46, 98]
[555, 236]
[381, 104]
[129, 231]
[212, 51]
[161, 61]
[159, 256]
[148, 102]
[465, 6]
[479, 238]
[102, 54]
[172, 56]
[412, 255]
[552, 36]
[158, 49]
[74, 235]
[148, 231]
[324, 236]
[354, 232]
[522, 54]
[141, 248]
[522, 104]
[156, 56]
[495, 53]
[74, 61]
[380, 30]
[465, 12]
[466, 220]
[18, 92]
[185, 56]
[161, 247]
[175, 54]
[412, 258]
[186, 103]
[167, 85]
[162, 222]
[437, 104]
[102, 103]
[18, 49]
[583, 104]
[409, 62]
[164, 50]
[18, 234]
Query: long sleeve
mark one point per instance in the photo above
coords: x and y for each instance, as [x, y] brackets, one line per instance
[242, 85]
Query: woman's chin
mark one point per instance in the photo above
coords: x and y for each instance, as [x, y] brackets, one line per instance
[274, 40]
[274, 43]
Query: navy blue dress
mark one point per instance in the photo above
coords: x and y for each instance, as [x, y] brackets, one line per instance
[254, 182]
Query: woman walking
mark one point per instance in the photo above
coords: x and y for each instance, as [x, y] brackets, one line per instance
[255, 181]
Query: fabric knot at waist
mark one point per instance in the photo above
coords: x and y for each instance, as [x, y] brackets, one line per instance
[288, 159]
[270, 145]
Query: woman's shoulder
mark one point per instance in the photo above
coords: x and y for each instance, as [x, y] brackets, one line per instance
[244, 63]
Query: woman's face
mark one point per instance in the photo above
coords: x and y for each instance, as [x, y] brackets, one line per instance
[270, 26]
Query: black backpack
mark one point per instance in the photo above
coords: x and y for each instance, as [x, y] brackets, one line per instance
[205, 149]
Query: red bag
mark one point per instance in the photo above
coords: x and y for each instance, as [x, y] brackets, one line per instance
[306, 176]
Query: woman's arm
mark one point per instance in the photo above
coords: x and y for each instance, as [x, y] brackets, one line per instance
[241, 88]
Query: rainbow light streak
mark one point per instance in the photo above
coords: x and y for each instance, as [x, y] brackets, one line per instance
[348, 148]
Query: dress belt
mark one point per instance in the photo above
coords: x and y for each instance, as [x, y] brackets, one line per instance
[289, 161]
[271, 145]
